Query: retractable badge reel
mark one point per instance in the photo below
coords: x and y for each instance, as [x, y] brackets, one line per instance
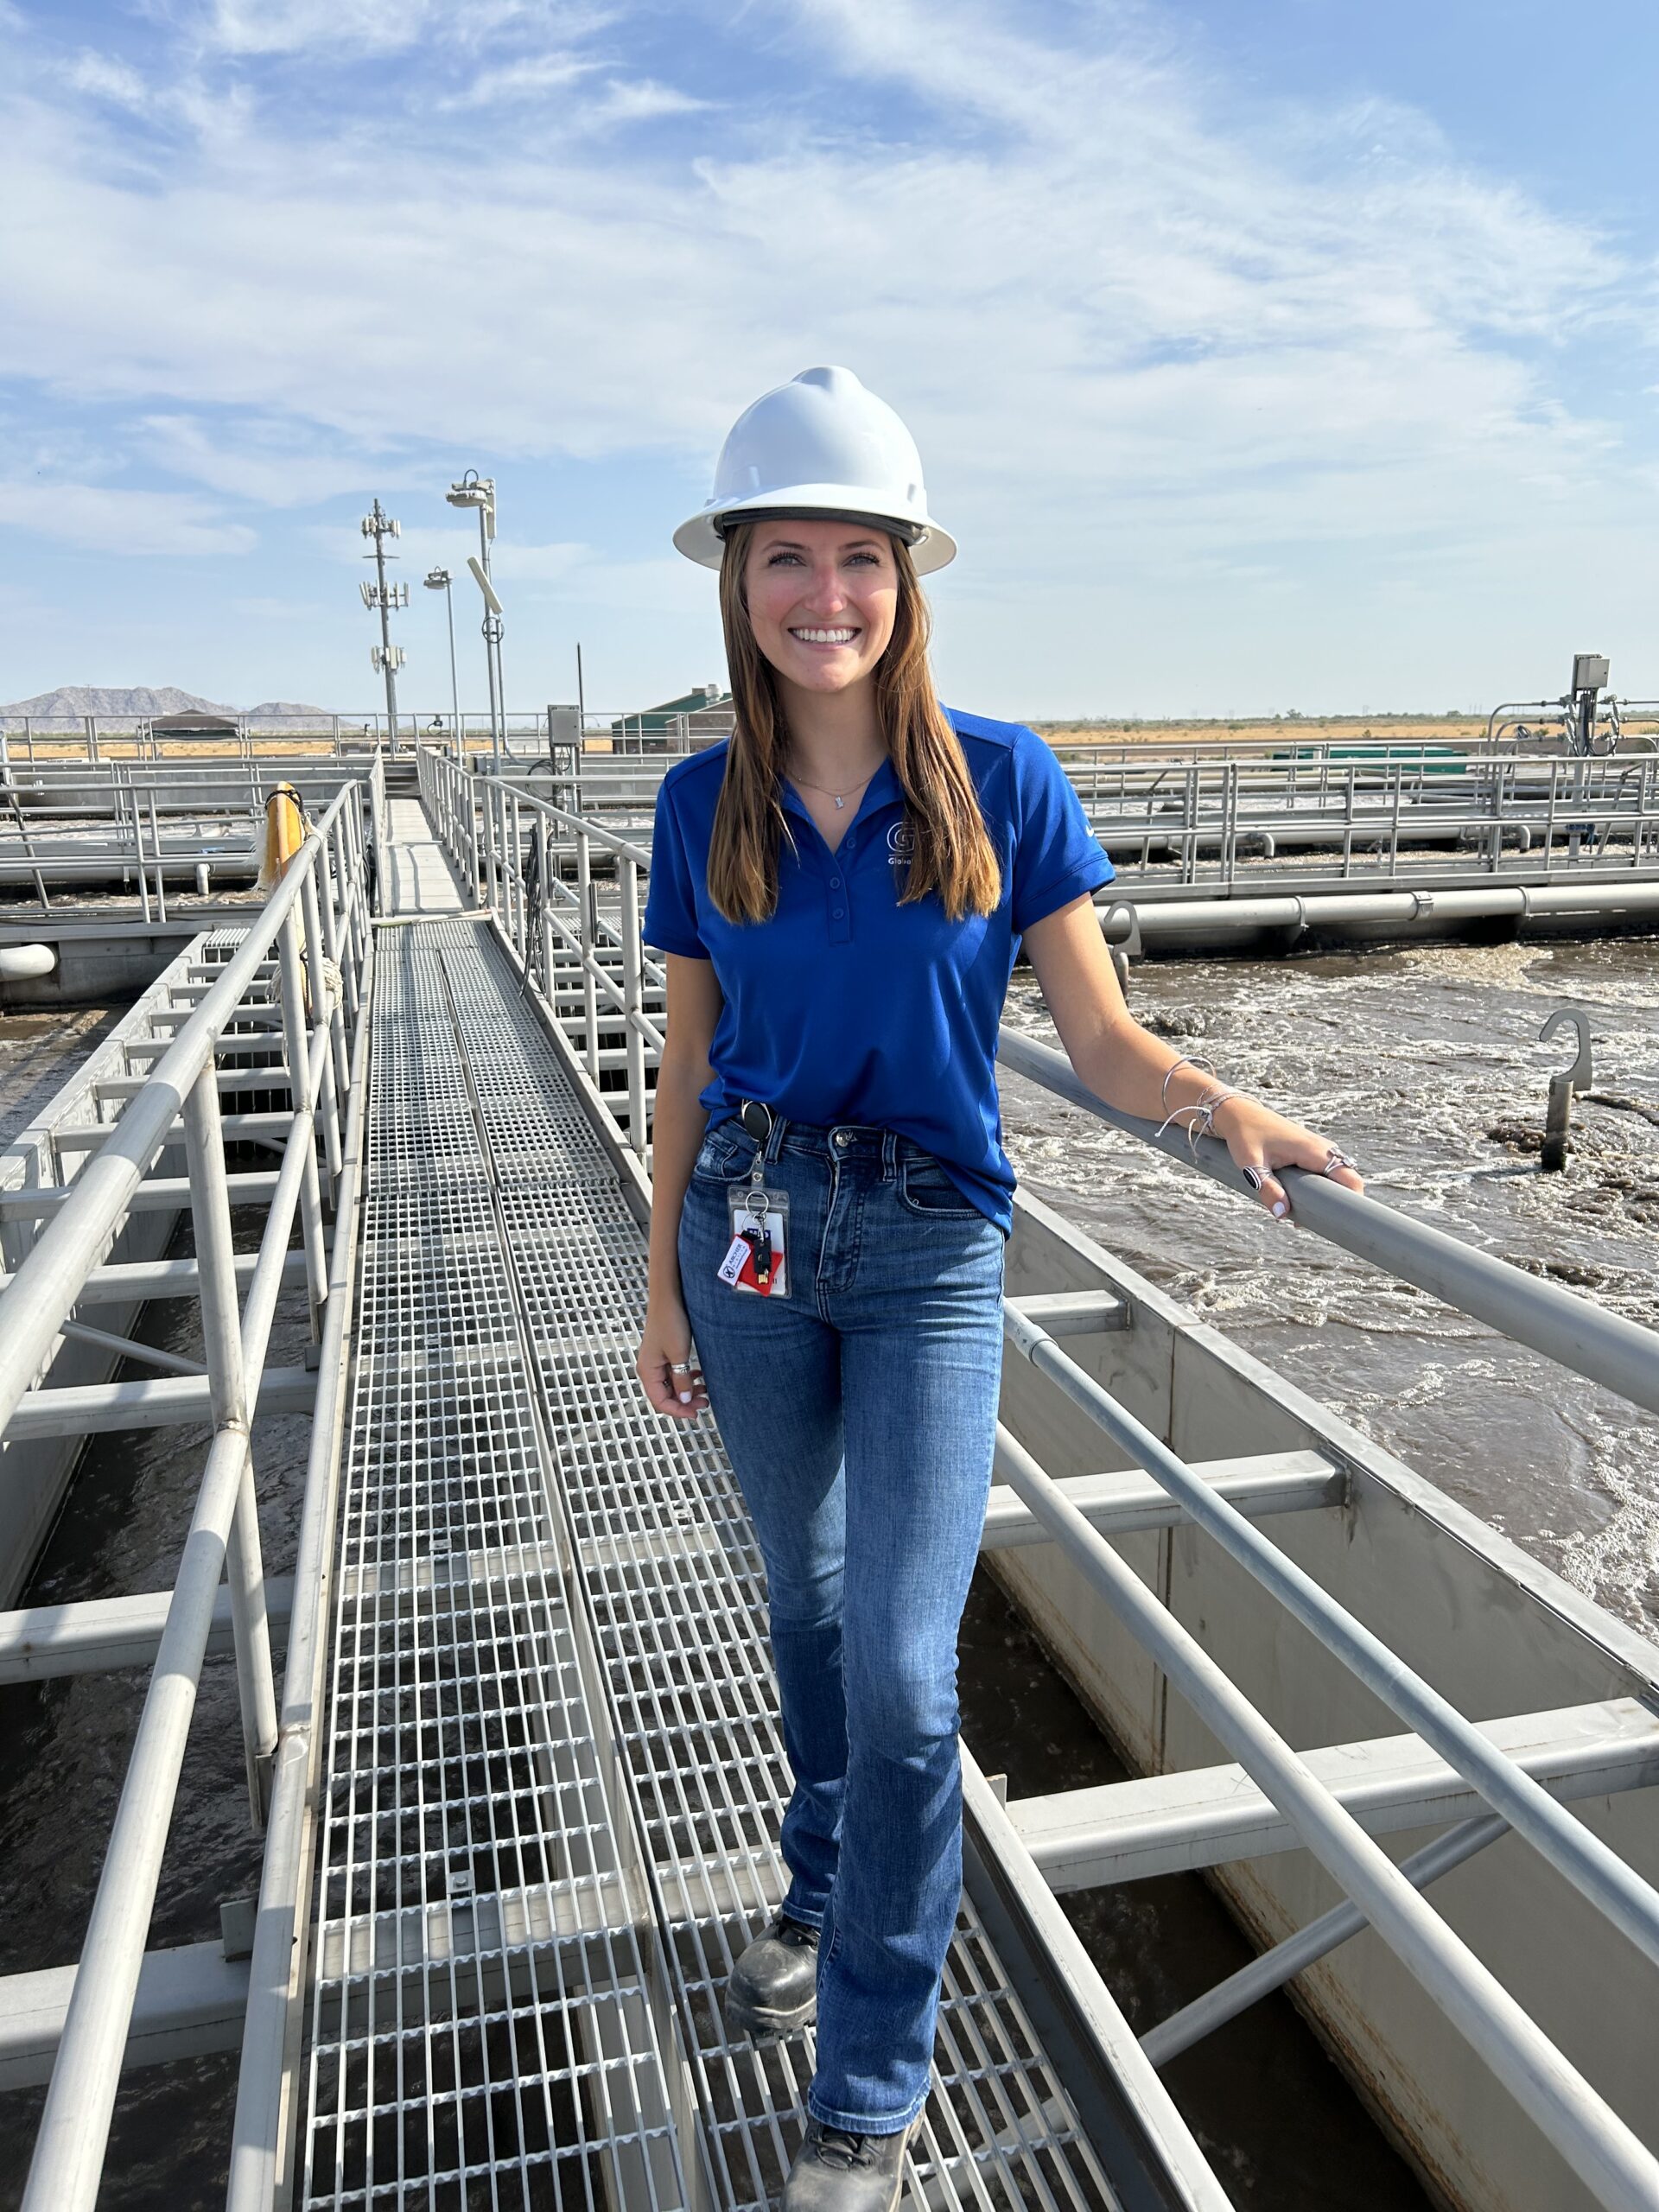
[757, 1259]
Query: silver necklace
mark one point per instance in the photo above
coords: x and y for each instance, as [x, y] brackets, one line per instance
[840, 797]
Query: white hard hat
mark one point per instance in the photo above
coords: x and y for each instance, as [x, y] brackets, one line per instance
[820, 445]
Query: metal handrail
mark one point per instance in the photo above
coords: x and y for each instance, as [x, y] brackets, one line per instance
[1595, 1871]
[317, 919]
[277, 1965]
[1619, 1354]
[481, 820]
[1621, 2172]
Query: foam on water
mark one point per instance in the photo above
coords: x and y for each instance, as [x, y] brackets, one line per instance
[1425, 1065]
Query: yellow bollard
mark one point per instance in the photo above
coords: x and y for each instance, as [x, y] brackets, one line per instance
[284, 834]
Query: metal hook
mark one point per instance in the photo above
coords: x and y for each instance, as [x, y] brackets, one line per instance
[1581, 1075]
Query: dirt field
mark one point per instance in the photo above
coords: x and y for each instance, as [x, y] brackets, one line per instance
[1271, 729]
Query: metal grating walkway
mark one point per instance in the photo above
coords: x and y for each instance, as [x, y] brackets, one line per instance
[554, 1777]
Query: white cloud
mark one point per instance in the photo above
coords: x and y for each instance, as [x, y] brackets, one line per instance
[99, 520]
[641, 101]
[1146, 336]
[531, 78]
[107, 78]
[272, 27]
[274, 464]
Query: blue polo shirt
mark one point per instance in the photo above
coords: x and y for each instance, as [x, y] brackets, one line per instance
[846, 1005]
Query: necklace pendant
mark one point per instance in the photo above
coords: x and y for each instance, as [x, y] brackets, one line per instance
[841, 802]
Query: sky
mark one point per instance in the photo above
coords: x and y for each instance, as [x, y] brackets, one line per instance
[1262, 354]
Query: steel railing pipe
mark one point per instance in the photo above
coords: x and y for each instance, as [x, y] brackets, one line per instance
[1619, 1354]
[1309, 1945]
[1619, 2169]
[210, 1207]
[1595, 1871]
[296, 1041]
[44, 1286]
[277, 1968]
[74, 2128]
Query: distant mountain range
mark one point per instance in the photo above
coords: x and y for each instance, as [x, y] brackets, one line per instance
[93, 699]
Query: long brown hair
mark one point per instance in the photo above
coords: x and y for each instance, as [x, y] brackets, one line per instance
[950, 847]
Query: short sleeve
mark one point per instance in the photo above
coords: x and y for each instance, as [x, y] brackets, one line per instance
[670, 919]
[1056, 857]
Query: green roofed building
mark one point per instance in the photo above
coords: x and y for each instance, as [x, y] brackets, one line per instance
[687, 724]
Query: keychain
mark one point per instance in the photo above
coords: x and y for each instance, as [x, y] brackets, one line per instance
[757, 1259]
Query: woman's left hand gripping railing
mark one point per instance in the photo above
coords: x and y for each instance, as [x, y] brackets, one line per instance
[223, 1536]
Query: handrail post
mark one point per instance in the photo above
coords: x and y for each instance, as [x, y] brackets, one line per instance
[297, 1048]
[543, 865]
[585, 932]
[632, 1002]
[325, 1019]
[221, 1337]
[155, 840]
[492, 790]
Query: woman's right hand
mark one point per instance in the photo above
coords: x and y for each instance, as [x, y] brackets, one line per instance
[665, 1348]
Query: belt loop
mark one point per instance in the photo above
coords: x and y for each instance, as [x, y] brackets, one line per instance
[774, 1143]
[889, 1155]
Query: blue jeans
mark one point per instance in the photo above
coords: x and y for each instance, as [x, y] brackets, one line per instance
[860, 1416]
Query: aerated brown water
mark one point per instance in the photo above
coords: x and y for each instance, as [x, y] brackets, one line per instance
[1425, 1065]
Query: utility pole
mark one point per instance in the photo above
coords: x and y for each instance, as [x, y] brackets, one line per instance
[386, 657]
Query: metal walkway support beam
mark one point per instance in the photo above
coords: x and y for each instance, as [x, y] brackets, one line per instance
[100, 1633]
[92, 1408]
[126, 1281]
[1215, 1815]
[156, 1194]
[189, 2001]
[1120, 1502]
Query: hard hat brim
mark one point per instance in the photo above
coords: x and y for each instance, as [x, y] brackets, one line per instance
[700, 540]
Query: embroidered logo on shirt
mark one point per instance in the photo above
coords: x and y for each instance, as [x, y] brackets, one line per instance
[902, 842]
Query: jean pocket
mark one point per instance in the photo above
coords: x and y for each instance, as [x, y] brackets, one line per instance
[925, 1188]
[725, 1155]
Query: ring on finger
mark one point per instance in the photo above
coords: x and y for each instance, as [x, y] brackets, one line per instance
[679, 1367]
[1256, 1176]
[1333, 1160]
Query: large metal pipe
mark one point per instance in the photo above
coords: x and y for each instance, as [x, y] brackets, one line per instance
[22, 963]
[1619, 2169]
[1169, 919]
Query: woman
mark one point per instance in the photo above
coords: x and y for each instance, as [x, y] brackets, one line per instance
[840, 890]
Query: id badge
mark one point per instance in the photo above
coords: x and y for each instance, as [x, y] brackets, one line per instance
[757, 1259]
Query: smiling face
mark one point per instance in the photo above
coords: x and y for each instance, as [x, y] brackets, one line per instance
[822, 597]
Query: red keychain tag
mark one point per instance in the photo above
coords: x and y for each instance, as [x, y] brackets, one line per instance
[757, 1258]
